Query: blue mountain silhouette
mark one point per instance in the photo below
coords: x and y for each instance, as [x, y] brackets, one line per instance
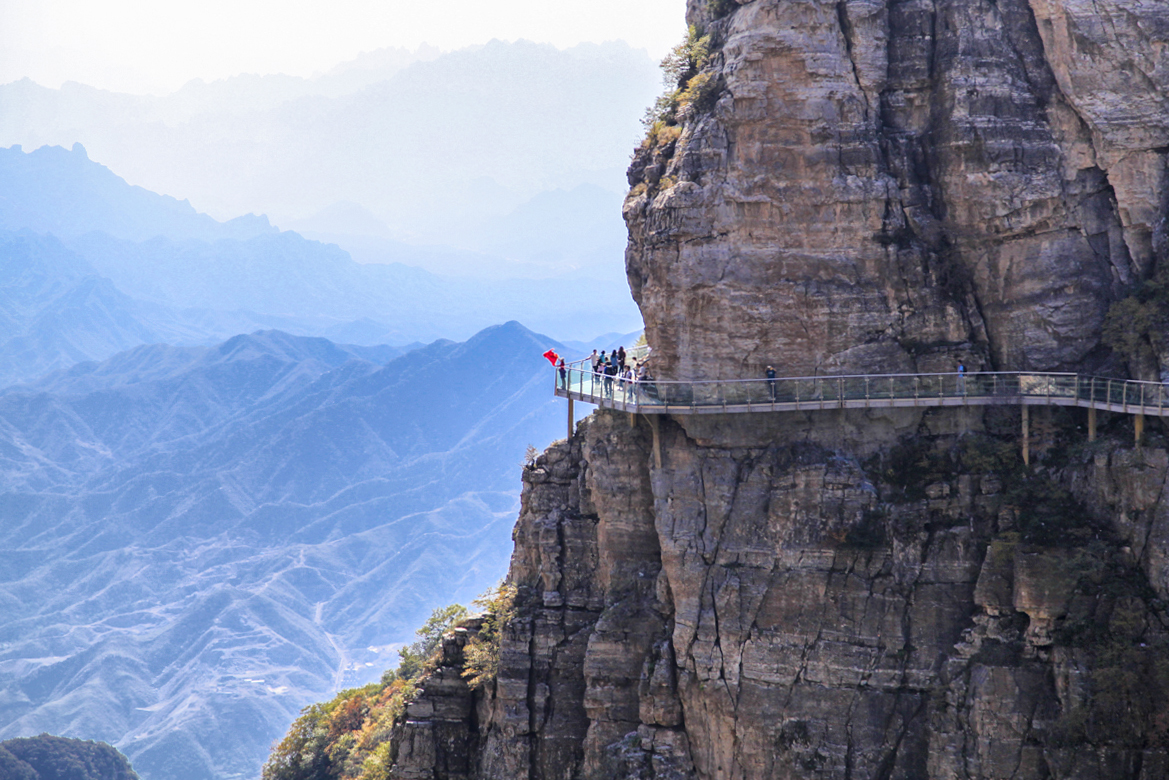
[199, 541]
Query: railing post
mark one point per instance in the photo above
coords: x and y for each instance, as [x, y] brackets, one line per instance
[655, 425]
[840, 391]
[1026, 435]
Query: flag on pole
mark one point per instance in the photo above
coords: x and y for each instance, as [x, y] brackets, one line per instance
[552, 356]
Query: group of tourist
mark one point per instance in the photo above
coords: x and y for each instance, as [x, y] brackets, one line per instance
[613, 368]
[609, 369]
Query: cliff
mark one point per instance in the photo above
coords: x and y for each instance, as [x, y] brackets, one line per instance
[820, 607]
[894, 185]
[858, 186]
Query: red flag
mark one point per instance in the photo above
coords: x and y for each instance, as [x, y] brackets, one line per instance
[552, 357]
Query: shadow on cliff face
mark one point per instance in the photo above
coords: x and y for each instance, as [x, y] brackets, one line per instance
[937, 609]
[1066, 620]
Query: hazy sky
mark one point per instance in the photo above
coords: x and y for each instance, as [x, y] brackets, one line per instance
[157, 45]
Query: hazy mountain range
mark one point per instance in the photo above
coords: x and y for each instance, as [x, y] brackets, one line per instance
[123, 266]
[196, 542]
[201, 531]
[490, 159]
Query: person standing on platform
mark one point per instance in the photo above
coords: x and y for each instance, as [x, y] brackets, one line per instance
[771, 382]
[961, 378]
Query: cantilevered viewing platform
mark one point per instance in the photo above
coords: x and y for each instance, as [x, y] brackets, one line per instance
[876, 391]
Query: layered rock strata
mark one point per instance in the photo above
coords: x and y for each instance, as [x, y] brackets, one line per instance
[917, 608]
[896, 185]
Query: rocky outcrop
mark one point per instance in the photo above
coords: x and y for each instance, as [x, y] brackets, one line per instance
[864, 186]
[896, 185]
[791, 610]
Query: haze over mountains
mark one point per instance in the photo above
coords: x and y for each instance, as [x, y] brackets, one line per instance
[203, 531]
[199, 541]
[431, 149]
[124, 266]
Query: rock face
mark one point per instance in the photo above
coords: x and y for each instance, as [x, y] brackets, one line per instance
[879, 186]
[924, 609]
[894, 185]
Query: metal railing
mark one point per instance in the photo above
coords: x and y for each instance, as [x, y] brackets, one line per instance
[581, 383]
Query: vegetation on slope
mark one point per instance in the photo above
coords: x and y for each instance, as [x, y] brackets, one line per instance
[481, 655]
[47, 757]
[687, 83]
[692, 85]
[1136, 325]
[349, 737]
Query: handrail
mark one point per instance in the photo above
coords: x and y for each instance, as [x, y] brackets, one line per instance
[579, 364]
[1129, 396]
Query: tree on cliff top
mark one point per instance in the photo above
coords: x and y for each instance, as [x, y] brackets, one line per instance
[47, 757]
[684, 80]
[349, 736]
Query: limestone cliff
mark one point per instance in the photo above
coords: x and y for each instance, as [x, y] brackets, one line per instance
[862, 186]
[894, 185]
[812, 601]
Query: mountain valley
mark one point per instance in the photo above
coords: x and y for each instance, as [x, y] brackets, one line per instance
[198, 541]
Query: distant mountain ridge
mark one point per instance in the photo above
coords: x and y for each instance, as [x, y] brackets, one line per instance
[51, 190]
[204, 531]
[244, 528]
[436, 146]
[194, 280]
[57, 310]
[157, 362]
